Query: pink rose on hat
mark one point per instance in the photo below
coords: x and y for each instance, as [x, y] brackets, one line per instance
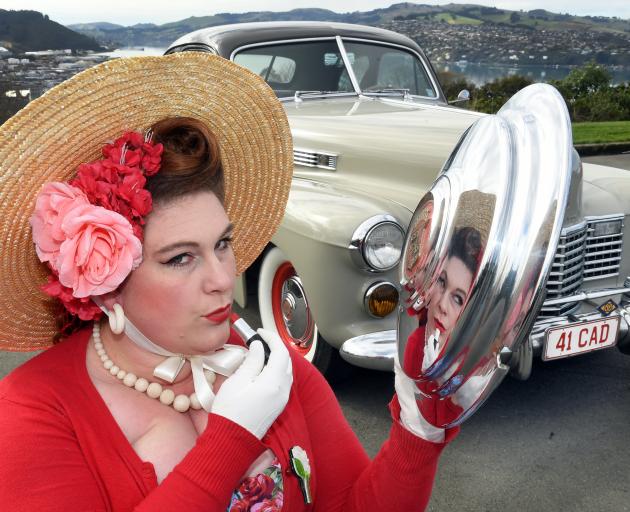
[53, 204]
[99, 252]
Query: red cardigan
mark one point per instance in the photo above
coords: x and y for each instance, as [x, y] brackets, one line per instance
[62, 450]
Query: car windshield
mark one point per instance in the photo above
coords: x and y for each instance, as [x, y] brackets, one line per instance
[318, 66]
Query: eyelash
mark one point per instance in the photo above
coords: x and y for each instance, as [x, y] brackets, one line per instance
[226, 241]
[175, 261]
[457, 299]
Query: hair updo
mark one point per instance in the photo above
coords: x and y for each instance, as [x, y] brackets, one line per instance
[191, 161]
[466, 245]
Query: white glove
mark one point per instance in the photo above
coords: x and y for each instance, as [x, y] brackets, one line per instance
[255, 394]
[410, 415]
[431, 350]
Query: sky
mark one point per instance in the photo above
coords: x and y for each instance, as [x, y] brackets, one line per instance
[131, 12]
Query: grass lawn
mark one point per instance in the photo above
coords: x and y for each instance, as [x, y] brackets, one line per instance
[593, 133]
[457, 20]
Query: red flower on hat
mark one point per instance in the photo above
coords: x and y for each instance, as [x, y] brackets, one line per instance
[84, 308]
[152, 158]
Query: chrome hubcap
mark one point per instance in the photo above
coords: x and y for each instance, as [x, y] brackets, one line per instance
[296, 313]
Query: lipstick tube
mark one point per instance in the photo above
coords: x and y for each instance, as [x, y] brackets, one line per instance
[249, 335]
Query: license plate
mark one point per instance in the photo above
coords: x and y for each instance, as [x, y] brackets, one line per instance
[573, 339]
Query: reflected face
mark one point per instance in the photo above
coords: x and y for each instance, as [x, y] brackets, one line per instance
[180, 296]
[448, 297]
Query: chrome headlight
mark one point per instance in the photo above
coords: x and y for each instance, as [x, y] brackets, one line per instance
[377, 243]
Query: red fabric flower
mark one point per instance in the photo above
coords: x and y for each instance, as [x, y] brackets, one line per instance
[257, 487]
[84, 308]
[152, 158]
[131, 189]
[129, 141]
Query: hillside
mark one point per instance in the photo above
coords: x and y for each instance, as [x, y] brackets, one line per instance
[446, 32]
[30, 31]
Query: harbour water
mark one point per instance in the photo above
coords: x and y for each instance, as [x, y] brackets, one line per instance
[480, 74]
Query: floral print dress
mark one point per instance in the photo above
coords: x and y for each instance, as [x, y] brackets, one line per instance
[261, 489]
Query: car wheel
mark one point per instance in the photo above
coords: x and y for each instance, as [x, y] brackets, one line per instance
[284, 308]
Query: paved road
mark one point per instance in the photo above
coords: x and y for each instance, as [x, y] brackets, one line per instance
[556, 442]
[622, 161]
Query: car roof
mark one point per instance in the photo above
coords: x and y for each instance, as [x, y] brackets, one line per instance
[226, 38]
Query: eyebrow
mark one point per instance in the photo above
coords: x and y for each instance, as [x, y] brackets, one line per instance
[456, 289]
[178, 245]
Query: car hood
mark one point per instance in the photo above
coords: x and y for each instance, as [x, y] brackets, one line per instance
[606, 190]
[394, 145]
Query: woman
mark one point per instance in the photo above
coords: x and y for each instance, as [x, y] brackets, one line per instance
[157, 405]
[436, 323]
[446, 301]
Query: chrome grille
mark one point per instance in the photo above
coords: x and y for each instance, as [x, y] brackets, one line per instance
[566, 273]
[603, 253]
[319, 159]
[582, 255]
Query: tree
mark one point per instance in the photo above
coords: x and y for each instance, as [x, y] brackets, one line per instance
[490, 97]
[515, 17]
[584, 80]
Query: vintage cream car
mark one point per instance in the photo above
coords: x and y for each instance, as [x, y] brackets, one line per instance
[371, 130]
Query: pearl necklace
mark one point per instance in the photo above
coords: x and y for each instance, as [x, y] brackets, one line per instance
[180, 403]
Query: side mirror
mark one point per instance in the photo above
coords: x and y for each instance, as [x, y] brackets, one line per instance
[479, 249]
[463, 96]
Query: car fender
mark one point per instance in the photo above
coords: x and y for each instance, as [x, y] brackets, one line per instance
[317, 227]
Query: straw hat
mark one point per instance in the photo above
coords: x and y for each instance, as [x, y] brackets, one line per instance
[475, 209]
[69, 125]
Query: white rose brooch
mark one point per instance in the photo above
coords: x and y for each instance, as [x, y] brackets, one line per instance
[302, 468]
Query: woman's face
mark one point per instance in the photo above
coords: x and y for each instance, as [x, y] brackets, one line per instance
[178, 295]
[448, 297]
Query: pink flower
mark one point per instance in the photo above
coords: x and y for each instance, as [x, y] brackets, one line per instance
[55, 201]
[99, 252]
[240, 506]
[268, 505]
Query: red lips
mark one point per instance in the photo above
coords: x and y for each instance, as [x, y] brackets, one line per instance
[220, 315]
[439, 325]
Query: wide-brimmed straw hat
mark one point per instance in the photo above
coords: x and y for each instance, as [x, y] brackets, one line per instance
[69, 125]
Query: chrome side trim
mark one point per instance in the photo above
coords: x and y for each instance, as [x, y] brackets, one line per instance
[582, 296]
[374, 350]
[315, 158]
